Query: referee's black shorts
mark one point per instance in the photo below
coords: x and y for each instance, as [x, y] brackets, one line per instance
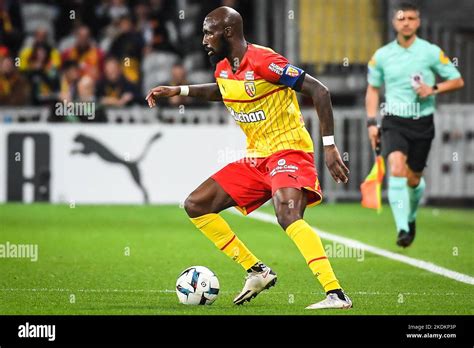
[411, 136]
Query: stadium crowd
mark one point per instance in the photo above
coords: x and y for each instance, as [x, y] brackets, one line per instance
[110, 52]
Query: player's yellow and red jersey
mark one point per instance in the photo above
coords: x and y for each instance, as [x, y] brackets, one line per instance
[261, 99]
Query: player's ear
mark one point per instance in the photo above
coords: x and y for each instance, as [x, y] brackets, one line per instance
[227, 31]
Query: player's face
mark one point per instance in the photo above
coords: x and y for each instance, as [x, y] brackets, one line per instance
[214, 42]
[406, 23]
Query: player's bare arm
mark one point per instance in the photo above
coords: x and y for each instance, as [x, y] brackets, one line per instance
[447, 86]
[322, 102]
[207, 91]
[371, 106]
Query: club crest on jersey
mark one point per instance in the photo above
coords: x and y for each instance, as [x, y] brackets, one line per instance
[224, 74]
[249, 75]
[290, 71]
[250, 88]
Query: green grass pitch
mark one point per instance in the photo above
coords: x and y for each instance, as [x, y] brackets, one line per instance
[83, 266]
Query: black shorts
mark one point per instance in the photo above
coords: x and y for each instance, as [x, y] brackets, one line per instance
[412, 136]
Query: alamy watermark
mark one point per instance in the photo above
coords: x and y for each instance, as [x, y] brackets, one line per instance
[395, 108]
[28, 330]
[75, 109]
[228, 155]
[26, 251]
[337, 250]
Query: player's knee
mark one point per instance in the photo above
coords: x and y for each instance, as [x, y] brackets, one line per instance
[192, 207]
[397, 171]
[398, 168]
[397, 162]
[286, 217]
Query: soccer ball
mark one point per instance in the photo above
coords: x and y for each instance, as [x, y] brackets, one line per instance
[197, 285]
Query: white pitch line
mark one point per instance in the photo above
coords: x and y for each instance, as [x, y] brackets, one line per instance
[352, 243]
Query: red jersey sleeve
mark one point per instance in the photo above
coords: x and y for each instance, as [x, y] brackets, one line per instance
[270, 65]
[275, 68]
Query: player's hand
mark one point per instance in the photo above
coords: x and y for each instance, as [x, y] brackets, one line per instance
[373, 136]
[336, 167]
[161, 91]
[424, 90]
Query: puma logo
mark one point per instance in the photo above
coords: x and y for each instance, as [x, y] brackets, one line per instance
[91, 146]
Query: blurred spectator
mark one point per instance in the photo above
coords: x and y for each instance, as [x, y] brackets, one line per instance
[42, 73]
[147, 38]
[40, 45]
[86, 53]
[191, 28]
[142, 25]
[14, 88]
[111, 10]
[114, 89]
[11, 25]
[68, 41]
[163, 18]
[108, 14]
[69, 78]
[83, 108]
[86, 89]
[86, 94]
[72, 14]
[178, 77]
[128, 48]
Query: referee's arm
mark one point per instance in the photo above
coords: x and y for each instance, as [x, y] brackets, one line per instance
[375, 79]
[371, 107]
[446, 86]
[443, 67]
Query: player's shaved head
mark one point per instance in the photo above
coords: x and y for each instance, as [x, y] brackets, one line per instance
[226, 17]
[223, 32]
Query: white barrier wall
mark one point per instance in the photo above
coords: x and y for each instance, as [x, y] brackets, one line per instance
[101, 163]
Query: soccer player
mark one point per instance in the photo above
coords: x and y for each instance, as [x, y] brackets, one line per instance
[407, 66]
[258, 88]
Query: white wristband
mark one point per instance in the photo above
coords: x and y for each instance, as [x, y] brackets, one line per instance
[328, 140]
[184, 90]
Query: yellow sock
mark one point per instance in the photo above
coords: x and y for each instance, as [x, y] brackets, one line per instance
[310, 246]
[218, 231]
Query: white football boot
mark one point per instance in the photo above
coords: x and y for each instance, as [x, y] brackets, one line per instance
[256, 282]
[332, 301]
